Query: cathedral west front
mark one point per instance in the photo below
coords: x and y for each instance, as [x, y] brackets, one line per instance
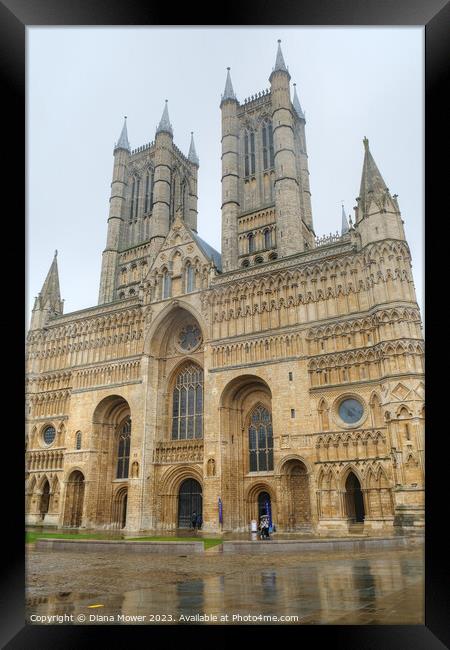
[283, 375]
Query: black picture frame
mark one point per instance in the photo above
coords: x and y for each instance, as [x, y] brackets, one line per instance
[434, 15]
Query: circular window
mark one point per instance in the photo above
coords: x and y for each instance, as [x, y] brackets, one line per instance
[190, 337]
[350, 411]
[49, 435]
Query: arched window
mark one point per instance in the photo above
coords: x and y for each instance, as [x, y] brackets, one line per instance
[167, 284]
[78, 440]
[133, 189]
[267, 238]
[260, 440]
[251, 243]
[136, 208]
[323, 416]
[267, 140]
[189, 278]
[249, 152]
[377, 417]
[123, 449]
[187, 404]
[148, 191]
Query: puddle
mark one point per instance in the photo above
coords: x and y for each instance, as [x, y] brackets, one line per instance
[352, 590]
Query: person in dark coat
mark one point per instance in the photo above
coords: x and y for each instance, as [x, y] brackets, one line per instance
[199, 521]
[193, 520]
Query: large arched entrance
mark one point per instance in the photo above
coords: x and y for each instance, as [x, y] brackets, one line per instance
[112, 439]
[295, 487]
[354, 499]
[45, 499]
[189, 501]
[73, 513]
[247, 430]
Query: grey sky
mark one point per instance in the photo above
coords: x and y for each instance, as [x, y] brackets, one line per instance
[352, 82]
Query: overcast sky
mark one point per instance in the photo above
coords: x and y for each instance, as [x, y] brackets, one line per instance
[352, 82]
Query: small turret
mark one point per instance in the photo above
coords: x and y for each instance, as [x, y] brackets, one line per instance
[290, 231]
[48, 303]
[115, 219]
[230, 176]
[377, 213]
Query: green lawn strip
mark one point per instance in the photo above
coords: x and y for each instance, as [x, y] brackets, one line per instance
[208, 542]
[31, 537]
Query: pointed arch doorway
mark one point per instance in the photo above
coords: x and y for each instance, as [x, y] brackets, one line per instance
[354, 499]
[190, 500]
[45, 500]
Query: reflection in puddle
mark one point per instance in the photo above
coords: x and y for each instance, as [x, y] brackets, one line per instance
[358, 590]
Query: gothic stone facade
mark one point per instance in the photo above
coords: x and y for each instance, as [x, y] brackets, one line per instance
[286, 373]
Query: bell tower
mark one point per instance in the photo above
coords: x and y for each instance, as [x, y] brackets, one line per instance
[266, 199]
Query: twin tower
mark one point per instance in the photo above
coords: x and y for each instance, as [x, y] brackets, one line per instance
[266, 203]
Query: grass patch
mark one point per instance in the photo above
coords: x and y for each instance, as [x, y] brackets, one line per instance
[31, 537]
[208, 542]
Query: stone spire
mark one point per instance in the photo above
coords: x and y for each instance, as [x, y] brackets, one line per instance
[372, 183]
[192, 155]
[165, 125]
[123, 140]
[48, 303]
[344, 227]
[228, 92]
[296, 104]
[279, 62]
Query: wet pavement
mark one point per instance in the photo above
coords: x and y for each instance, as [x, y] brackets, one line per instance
[376, 587]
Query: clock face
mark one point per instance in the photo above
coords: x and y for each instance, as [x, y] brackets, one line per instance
[190, 337]
[351, 411]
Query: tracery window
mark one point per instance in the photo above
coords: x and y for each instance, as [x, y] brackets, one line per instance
[123, 449]
[260, 440]
[187, 404]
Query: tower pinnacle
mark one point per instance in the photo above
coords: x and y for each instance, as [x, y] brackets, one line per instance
[123, 140]
[372, 182]
[279, 62]
[228, 93]
[164, 124]
[344, 227]
[192, 155]
[48, 303]
[296, 104]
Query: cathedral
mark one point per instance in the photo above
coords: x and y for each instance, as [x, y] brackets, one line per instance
[283, 376]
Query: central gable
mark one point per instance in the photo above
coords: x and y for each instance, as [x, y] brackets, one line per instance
[182, 244]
